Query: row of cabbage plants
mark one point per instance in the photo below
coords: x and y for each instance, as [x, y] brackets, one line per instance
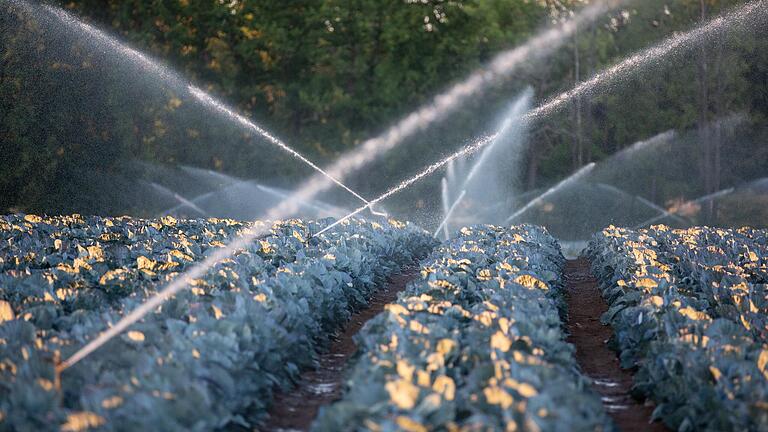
[208, 358]
[475, 344]
[688, 308]
[727, 268]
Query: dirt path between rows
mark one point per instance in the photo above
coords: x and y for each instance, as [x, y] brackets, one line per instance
[295, 410]
[589, 336]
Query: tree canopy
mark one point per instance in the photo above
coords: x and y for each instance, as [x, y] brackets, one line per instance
[326, 74]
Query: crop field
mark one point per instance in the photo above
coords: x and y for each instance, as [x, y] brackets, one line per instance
[476, 341]
[210, 357]
[690, 311]
[384, 216]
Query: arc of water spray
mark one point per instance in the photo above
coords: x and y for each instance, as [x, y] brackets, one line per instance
[659, 209]
[448, 209]
[203, 97]
[500, 68]
[485, 154]
[222, 179]
[570, 179]
[183, 202]
[406, 183]
[274, 192]
[647, 57]
[506, 127]
[197, 271]
[670, 213]
[308, 191]
[652, 141]
[628, 66]
[654, 219]
[208, 100]
[369, 150]
[285, 196]
[193, 200]
[450, 179]
[444, 223]
[445, 197]
[715, 195]
[207, 195]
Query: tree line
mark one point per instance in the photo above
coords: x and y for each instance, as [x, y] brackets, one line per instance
[326, 74]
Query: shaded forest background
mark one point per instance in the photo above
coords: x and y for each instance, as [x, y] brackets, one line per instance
[327, 74]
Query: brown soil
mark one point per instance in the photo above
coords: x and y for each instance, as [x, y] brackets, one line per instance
[589, 336]
[295, 410]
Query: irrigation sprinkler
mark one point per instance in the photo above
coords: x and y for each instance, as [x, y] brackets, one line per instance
[283, 195]
[669, 213]
[183, 202]
[455, 204]
[444, 199]
[648, 203]
[345, 166]
[109, 44]
[499, 69]
[570, 179]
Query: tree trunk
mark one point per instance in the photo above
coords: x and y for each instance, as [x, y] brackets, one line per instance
[588, 118]
[533, 168]
[719, 109]
[578, 151]
[705, 141]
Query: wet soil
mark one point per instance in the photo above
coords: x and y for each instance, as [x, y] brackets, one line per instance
[597, 360]
[295, 410]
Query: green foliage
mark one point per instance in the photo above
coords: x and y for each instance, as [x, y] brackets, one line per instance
[476, 343]
[209, 357]
[689, 310]
[327, 74]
